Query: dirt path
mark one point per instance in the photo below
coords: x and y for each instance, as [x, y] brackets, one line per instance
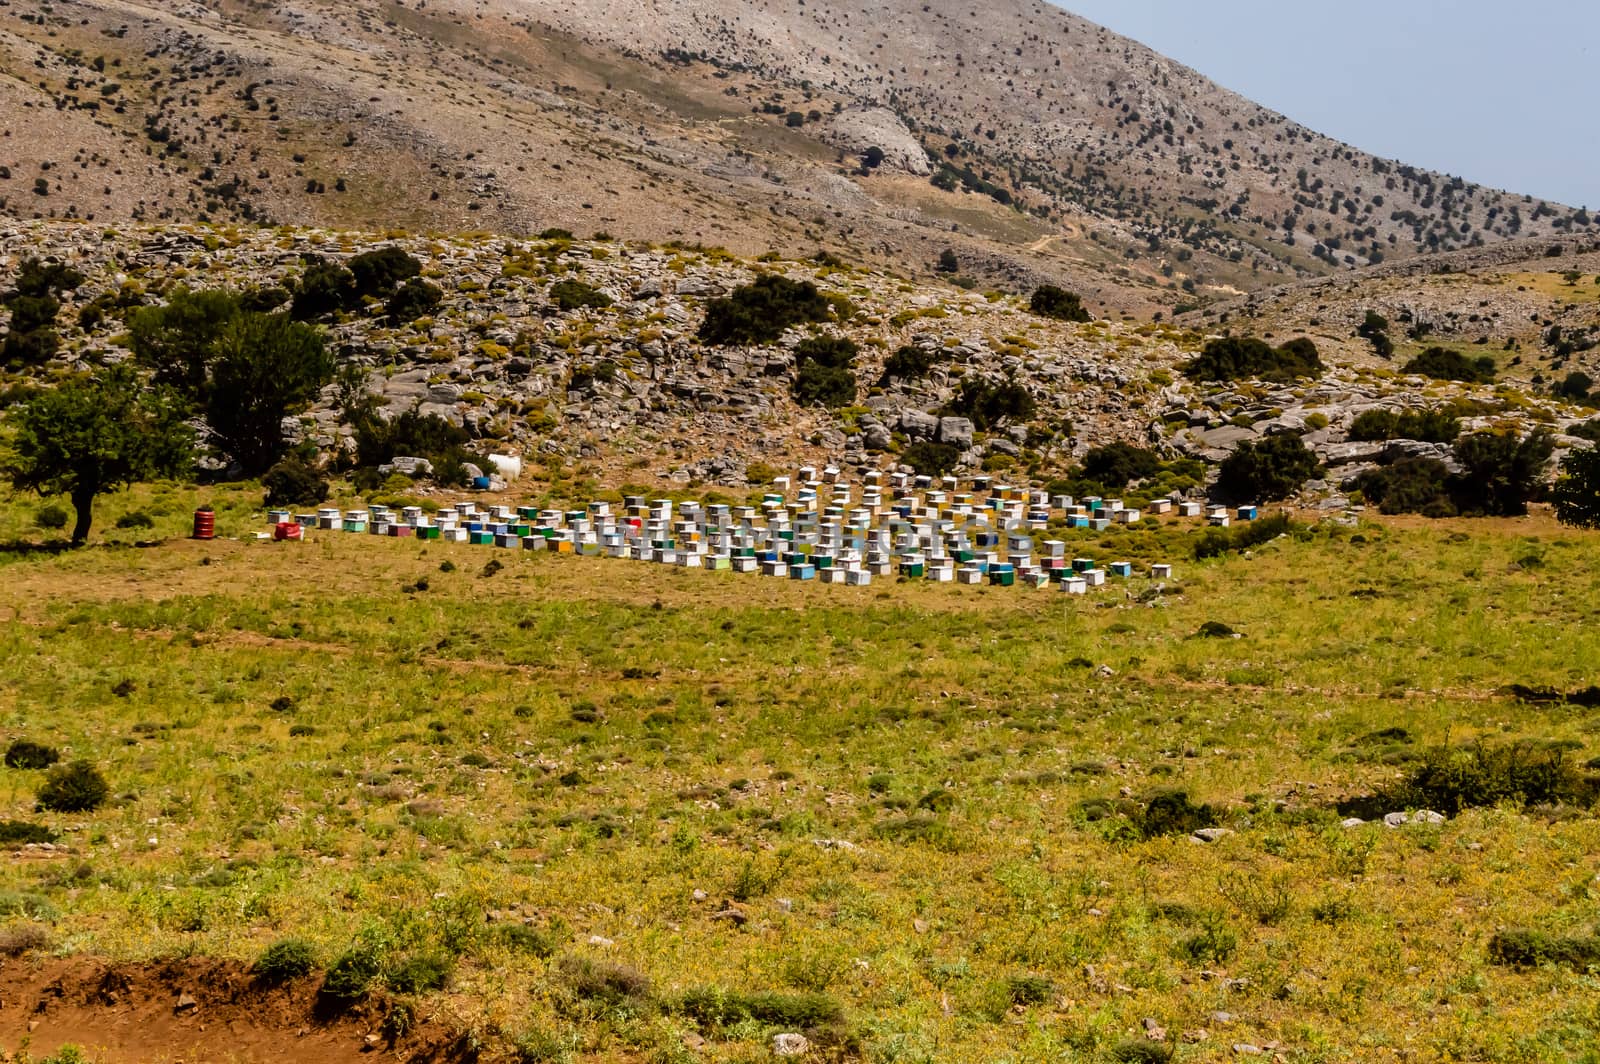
[195, 1010]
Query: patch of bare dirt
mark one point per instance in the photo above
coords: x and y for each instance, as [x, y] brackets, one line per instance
[198, 1009]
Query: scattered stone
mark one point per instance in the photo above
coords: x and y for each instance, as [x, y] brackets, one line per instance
[1246, 1049]
[790, 1044]
[1153, 1030]
[186, 1003]
[1211, 834]
[1351, 822]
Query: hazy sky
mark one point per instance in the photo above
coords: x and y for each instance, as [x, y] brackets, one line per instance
[1503, 94]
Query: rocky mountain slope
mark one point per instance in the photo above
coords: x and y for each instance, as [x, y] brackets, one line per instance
[624, 391]
[1031, 143]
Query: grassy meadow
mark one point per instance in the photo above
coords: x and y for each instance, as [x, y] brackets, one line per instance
[632, 813]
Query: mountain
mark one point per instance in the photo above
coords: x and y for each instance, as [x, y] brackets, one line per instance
[1031, 143]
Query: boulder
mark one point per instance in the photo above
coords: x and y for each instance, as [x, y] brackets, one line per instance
[957, 431]
[918, 425]
[859, 129]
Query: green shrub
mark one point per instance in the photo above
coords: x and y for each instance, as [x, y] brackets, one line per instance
[931, 459]
[1266, 470]
[605, 983]
[523, 938]
[1450, 780]
[1172, 813]
[412, 300]
[1141, 1051]
[286, 959]
[1520, 948]
[352, 975]
[572, 295]
[1576, 495]
[1114, 465]
[1052, 302]
[324, 288]
[26, 754]
[1215, 542]
[1430, 426]
[1231, 358]
[378, 273]
[759, 312]
[51, 516]
[717, 1008]
[22, 833]
[825, 377]
[135, 519]
[74, 788]
[988, 403]
[1028, 988]
[294, 482]
[1443, 364]
[1411, 485]
[420, 973]
[908, 363]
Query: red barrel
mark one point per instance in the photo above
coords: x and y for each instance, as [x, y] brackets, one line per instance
[205, 523]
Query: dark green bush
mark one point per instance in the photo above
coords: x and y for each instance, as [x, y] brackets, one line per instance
[1411, 485]
[1052, 302]
[135, 519]
[286, 959]
[414, 299]
[1450, 780]
[294, 482]
[378, 273]
[324, 288]
[1429, 426]
[1115, 465]
[50, 516]
[716, 1007]
[1215, 542]
[352, 975]
[526, 939]
[1441, 363]
[1141, 1051]
[1231, 358]
[1028, 988]
[825, 376]
[420, 973]
[605, 983]
[74, 788]
[23, 833]
[1172, 813]
[759, 312]
[988, 403]
[26, 754]
[1521, 948]
[1500, 474]
[572, 295]
[1266, 470]
[908, 363]
[931, 459]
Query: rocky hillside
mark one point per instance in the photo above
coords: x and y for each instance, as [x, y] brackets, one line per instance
[1030, 143]
[586, 354]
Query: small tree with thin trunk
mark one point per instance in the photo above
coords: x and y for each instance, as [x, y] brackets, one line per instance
[92, 435]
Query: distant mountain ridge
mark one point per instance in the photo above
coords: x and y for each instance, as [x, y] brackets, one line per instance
[1055, 148]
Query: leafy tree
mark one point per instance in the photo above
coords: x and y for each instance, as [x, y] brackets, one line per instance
[265, 367]
[1430, 426]
[1266, 470]
[294, 482]
[1500, 474]
[414, 299]
[34, 304]
[1231, 358]
[1375, 330]
[825, 375]
[1575, 386]
[988, 404]
[176, 340]
[908, 363]
[1052, 302]
[378, 273]
[1409, 486]
[326, 287]
[1576, 494]
[759, 312]
[92, 435]
[1114, 465]
[872, 158]
[1442, 364]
